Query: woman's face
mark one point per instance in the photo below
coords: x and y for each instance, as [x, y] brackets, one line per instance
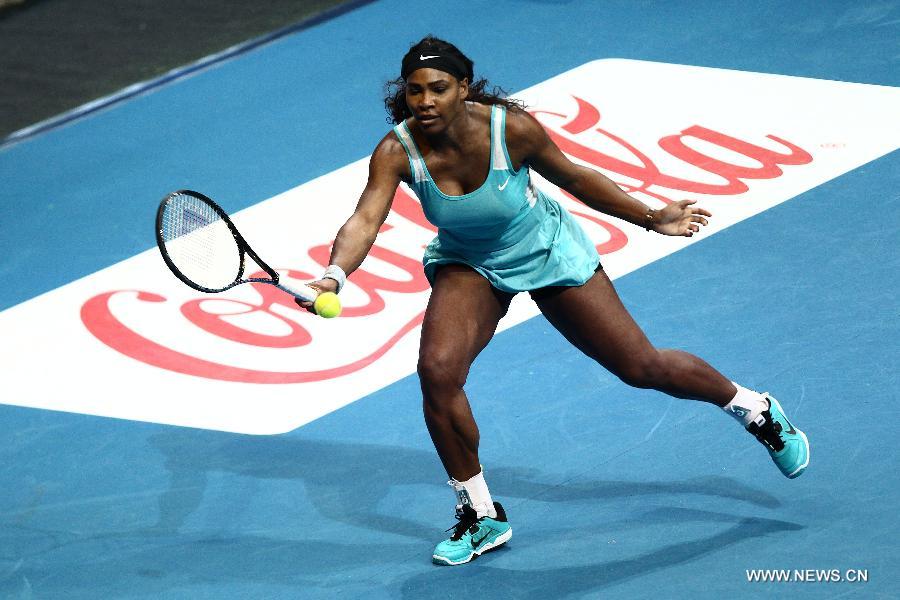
[435, 98]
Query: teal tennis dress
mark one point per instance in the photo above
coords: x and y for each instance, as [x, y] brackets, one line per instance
[518, 238]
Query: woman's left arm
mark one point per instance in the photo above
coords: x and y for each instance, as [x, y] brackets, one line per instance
[528, 142]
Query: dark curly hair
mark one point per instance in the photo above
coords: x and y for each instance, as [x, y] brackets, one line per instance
[395, 90]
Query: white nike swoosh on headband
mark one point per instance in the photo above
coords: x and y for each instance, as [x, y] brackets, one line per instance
[427, 57]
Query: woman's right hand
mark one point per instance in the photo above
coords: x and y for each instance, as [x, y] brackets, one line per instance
[320, 285]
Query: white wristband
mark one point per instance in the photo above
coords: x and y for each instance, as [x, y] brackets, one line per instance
[336, 273]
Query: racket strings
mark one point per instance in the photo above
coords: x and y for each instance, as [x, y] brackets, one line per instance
[199, 242]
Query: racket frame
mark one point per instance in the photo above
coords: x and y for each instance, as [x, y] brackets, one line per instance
[304, 293]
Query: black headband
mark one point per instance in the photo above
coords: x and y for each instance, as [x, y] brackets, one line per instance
[441, 61]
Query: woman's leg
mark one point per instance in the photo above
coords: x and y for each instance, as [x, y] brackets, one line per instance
[460, 320]
[593, 318]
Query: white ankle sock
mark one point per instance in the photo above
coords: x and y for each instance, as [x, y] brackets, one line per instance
[746, 405]
[474, 492]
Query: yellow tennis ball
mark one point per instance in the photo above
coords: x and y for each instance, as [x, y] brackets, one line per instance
[327, 305]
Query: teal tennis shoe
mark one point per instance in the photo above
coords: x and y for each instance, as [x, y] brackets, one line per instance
[472, 536]
[786, 444]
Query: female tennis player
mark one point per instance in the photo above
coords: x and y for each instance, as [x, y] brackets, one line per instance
[468, 154]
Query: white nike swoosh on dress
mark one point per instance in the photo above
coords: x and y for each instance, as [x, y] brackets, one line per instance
[503, 185]
[427, 57]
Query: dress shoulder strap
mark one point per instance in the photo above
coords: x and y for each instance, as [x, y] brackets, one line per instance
[499, 155]
[416, 162]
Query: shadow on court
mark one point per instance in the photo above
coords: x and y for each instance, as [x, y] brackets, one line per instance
[338, 529]
[346, 482]
[559, 582]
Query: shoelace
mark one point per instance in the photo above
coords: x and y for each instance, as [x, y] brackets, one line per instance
[467, 521]
[769, 433]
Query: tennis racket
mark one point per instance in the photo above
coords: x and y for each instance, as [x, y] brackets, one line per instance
[203, 248]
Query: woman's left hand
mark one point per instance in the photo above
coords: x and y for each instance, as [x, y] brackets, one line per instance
[679, 218]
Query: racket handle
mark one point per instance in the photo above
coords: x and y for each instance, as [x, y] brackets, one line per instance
[302, 292]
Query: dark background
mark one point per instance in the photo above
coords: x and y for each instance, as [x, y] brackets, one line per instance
[56, 55]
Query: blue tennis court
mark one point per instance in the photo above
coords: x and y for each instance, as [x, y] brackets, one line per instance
[612, 491]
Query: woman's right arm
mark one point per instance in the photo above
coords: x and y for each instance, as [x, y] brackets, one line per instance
[355, 238]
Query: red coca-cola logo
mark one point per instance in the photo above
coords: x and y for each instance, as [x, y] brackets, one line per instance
[570, 132]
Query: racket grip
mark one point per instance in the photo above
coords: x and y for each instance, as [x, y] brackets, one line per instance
[302, 292]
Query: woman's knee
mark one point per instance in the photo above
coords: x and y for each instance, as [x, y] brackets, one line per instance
[440, 371]
[646, 370]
